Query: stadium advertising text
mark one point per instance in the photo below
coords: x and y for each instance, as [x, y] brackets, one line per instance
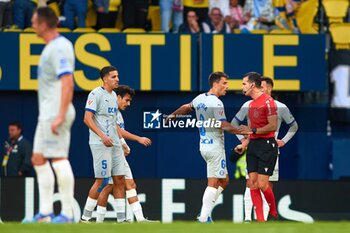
[159, 62]
[166, 199]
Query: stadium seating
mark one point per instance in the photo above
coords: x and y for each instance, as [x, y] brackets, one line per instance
[305, 16]
[29, 30]
[340, 35]
[109, 30]
[134, 30]
[154, 17]
[335, 10]
[63, 30]
[280, 31]
[84, 30]
[12, 30]
[259, 31]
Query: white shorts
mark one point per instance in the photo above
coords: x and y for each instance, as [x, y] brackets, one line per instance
[49, 144]
[128, 173]
[216, 163]
[275, 174]
[108, 161]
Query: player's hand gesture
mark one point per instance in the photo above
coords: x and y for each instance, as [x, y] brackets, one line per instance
[126, 149]
[107, 141]
[56, 124]
[239, 149]
[243, 129]
[280, 143]
[145, 141]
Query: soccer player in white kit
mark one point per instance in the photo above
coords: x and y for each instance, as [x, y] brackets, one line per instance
[208, 106]
[56, 115]
[124, 95]
[284, 115]
[106, 143]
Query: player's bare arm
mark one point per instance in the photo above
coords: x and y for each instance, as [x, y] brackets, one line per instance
[270, 127]
[89, 122]
[126, 148]
[184, 109]
[66, 98]
[133, 137]
[230, 128]
[241, 147]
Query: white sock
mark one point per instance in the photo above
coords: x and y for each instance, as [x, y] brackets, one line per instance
[217, 195]
[208, 199]
[137, 210]
[46, 184]
[65, 180]
[89, 207]
[120, 209]
[266, 207]
[101, 212]
[248, 205]
[136, 206]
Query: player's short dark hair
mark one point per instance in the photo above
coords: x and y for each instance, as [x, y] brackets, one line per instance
[17, 124]
[216, 77]
[48, 15]
[267, 80]
[123, 90]
[254, 77]
[105, 70]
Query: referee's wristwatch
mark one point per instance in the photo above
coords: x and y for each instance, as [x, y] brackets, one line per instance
[254, 130]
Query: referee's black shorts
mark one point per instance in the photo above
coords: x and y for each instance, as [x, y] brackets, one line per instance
[262, 155]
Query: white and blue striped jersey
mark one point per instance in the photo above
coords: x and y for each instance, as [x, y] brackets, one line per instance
[209, 108]
[104, 105]
[57, 59]
[120, 120]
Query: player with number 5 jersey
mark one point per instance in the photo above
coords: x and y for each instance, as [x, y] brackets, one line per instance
[106, 144]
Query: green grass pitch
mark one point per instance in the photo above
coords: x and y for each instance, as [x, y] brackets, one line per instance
[180, 227]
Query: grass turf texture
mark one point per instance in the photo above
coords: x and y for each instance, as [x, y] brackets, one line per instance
[180, 227]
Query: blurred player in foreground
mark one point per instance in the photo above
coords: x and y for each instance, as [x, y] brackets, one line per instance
[56, 115]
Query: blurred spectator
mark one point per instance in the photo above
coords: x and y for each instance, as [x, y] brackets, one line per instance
[199, 6]
[216, 23]
[107, 13]
[236, 12]
[73, 9]
[223, 5]
[16, 159]
[259, 14]
[23, 12]
[191, 25]
[171, 9]
[5, 13]
[285, 14]
[135, 13]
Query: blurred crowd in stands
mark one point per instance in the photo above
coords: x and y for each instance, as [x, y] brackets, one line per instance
[184, 16]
